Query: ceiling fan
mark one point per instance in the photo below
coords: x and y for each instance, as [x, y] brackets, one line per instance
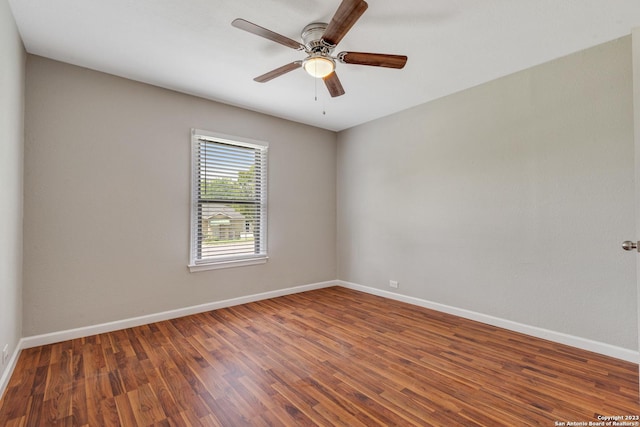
[320, 39]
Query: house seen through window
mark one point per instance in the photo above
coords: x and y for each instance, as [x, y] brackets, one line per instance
[229, 199]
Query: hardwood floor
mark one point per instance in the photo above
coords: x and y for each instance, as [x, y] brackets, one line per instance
[332, 357]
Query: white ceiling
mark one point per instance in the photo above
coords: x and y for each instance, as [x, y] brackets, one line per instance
[190, 46]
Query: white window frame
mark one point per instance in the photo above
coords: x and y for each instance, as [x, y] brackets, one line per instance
[196, 264]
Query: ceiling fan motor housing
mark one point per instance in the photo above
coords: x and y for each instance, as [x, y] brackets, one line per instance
[312, 38]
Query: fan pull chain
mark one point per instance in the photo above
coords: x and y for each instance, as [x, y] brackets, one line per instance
[324, 112]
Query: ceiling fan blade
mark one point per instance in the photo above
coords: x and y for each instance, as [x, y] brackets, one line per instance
[373, 59]
[278, 72]
[347, 14]
[267, 34]
[333, 85]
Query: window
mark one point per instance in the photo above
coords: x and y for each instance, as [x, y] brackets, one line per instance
[229, 201]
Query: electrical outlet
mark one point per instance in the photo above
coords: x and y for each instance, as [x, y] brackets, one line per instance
[393, 284]
[5, 354]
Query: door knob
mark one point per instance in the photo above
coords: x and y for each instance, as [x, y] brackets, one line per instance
[629, 245]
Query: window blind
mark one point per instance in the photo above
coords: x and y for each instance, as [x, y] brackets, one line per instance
[229, 212]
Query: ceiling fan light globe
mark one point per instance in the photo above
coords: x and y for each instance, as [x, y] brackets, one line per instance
[319, 66]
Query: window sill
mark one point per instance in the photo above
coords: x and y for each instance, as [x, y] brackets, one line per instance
[216, 265]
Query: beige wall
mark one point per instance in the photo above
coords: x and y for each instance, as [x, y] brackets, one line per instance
[107, 167]
[12, 66]
[509, 199]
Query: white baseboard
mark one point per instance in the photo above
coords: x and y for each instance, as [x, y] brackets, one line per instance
[6, 375]
[69, 334]
[559, 337]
